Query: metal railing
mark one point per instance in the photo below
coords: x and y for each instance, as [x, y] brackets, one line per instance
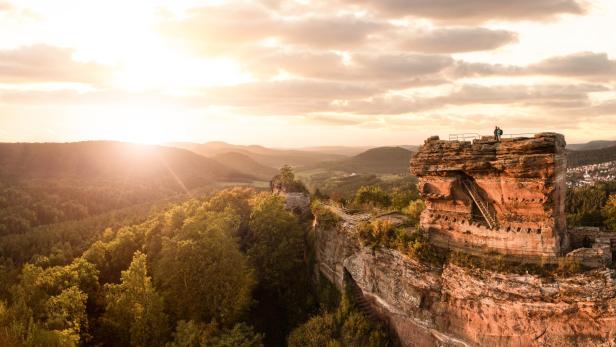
[512, 136]
[464, 137]
[476, 136]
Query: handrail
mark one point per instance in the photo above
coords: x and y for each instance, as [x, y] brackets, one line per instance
[464, 136]
[511, 136]
[483, 207]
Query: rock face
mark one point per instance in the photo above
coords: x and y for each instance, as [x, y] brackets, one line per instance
[453, 306]
[506, 197]
[298, 203]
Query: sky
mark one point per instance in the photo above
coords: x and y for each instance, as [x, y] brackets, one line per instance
[305, 73]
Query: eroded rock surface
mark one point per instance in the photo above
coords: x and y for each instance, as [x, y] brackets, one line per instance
[506, 197]
[453, 306]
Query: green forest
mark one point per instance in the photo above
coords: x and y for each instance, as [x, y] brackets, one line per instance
[592, 206]
[97, 260]
[225, 267]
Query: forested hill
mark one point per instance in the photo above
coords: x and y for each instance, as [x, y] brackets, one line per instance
[245, 164]
[381, 160]
[48, 183]
[265, 156]
[594, 156]
[111, 160]
[599, 144]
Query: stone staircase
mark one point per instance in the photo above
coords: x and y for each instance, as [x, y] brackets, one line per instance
[358, 298]
[482, 204]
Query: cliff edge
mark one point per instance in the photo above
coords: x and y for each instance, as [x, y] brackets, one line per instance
[506, 197]
[452, 305]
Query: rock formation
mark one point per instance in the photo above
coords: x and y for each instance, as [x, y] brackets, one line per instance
[483, 197]
[449, 305]
[296, 196]
[506, 197]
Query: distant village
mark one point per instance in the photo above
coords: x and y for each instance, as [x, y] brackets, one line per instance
[590, 174]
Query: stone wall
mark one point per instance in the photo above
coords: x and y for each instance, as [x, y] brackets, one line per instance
[520, 180]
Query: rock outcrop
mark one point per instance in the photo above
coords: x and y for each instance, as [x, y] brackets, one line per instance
[428, 305]
[296, 202]
[506, 197]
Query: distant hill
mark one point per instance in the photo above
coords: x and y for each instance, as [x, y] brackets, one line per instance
[380, 160]
[591, 145]
[265, 156]
[245, 164]
[112, 160]
[350, 150]
[412, 148]
[594, 156]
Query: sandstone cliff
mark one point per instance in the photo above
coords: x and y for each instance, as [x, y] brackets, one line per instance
[450, 305]
[507, 197]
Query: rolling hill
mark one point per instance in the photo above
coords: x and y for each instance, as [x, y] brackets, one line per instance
[246, 165]
[591, 145]
[350, 151]
[593, 156]
[112, 160]
[265, 156]
[380, 160]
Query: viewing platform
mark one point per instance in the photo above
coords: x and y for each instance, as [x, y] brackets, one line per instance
[471, 137]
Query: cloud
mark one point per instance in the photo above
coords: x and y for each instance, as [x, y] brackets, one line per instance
[465, 69]
[233, 28]
[44, 63]
[540, 96]
[329, 31]
[291, 97]
[5, 6]
[240, 28]
[344, 120]
[474, 11]
[584, 64]
[291, 89]
[452, 40]
[522, 94]
[358, 67]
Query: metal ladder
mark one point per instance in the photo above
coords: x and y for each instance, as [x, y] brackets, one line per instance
[482, 205]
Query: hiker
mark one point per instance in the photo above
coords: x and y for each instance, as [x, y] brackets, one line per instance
[498, 132]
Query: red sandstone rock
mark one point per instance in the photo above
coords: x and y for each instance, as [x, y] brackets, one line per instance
[453, 306]
[521, 183]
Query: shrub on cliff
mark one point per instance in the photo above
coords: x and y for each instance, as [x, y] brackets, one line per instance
[500, 263]
[324, 216]
[414, 243]
[346, 326]
[609, 213]
[191, 333]
[286, 181]
[371, 197]
[413, 210]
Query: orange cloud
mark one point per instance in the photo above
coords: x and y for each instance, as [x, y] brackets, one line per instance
[44, 63]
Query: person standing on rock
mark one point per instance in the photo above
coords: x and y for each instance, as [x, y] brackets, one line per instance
[498, 132]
